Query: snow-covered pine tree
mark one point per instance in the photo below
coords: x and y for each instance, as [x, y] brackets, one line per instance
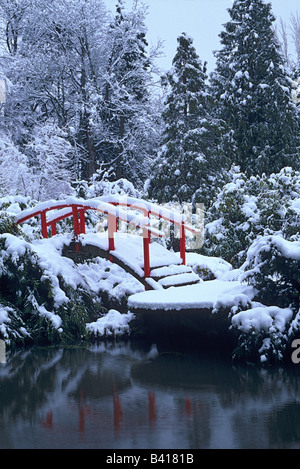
[294, 60]
[254, 93]
[128, 112]
[189, 158]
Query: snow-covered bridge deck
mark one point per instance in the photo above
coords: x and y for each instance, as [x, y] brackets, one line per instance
[166, 267]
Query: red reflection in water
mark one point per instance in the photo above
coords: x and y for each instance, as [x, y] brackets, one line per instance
[48, 422]
[152, 407]
[83, 411]
[118, 412]
[188, 406]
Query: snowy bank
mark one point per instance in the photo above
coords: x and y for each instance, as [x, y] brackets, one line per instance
[48, 298]
[212, 294]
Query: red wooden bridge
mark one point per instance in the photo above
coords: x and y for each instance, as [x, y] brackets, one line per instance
[136, 212]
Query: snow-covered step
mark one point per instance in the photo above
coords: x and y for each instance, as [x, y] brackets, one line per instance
[179, 279]
[169, 270]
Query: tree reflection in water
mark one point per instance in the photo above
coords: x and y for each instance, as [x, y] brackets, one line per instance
[120, 395]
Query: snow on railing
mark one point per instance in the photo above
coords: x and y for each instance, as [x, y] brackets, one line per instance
[110, 205]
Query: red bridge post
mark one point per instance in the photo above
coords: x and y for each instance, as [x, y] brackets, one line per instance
[111, 229]
[76, 226]
[82, 221]
[53, 228]
[44, 224]
[75, 221]
[182, 243]
[146, 247]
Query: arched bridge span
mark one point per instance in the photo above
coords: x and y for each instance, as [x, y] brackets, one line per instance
[132, 211]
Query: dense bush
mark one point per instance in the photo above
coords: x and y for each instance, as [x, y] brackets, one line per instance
[273, 268]
[45, 307]
[246, 208]
[255, 224]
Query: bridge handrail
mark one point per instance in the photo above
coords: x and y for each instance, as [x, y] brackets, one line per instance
[107, 204]
[150, 207]
[111, 206]
[62, 212]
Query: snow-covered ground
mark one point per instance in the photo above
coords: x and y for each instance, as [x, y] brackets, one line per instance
[218, 284]
[225, 290]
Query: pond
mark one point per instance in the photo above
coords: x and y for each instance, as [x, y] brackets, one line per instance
[132, 396]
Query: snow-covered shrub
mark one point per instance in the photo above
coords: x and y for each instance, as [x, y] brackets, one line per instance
[273, 268]
[12, 327]
[250, 207]
[101, 184]
[8, 224]
[255, 224]
[279, 207]
[22, 285]
[231, 220]
[12, 205]
[262, 333]
[53, 307]
[112, 325]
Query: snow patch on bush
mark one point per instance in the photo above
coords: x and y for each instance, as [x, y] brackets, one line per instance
[113, 324]
[262, 318]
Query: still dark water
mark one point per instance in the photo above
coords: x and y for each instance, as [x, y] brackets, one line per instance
[121, 396]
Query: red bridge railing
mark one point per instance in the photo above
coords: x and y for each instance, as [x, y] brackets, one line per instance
[127, 209]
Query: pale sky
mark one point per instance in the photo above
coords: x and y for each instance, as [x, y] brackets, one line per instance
[200, 19]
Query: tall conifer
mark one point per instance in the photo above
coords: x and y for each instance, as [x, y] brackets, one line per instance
[254, 93]
[188, 160]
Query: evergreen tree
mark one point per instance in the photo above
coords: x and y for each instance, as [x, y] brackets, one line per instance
[188, 161]
[254, 93]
